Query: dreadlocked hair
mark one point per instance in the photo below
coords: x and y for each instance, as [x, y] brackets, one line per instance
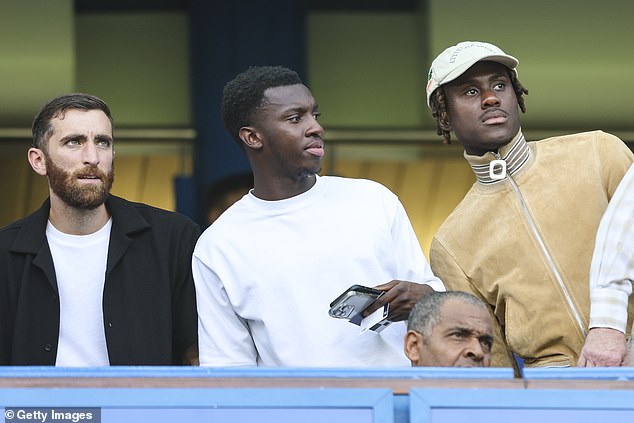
[438, 104]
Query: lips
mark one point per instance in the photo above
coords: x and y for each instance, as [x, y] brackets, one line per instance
[90, 175]
[494, 117]
[316, 149]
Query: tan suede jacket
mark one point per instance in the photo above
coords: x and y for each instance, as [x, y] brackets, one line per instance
[524, 243]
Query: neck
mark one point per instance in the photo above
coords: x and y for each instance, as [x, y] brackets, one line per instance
[281, 189]
[515, 154]
[73, 221]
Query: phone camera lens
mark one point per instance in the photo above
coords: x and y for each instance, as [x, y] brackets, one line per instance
[343, 311]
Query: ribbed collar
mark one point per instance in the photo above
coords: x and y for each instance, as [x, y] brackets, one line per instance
[275, 207]
[516, 154]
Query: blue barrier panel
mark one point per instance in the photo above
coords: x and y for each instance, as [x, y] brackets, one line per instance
[600, 373]
[259, 372]
[520, 405]
[60, 380]
[163, 405]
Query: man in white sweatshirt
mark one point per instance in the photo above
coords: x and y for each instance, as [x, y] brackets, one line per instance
[268, 268]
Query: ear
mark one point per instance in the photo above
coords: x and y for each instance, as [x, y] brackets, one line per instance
[413, 343]
[37, 160]
[250, 137]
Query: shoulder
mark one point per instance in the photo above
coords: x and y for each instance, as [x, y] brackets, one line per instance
[29, 229]
[590, 137]
[9, 232]
[15, 227]
[466, 211]
[356, 187]
[132, 213]
[586, 147]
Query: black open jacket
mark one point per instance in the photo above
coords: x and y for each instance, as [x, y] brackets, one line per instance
[149, 303]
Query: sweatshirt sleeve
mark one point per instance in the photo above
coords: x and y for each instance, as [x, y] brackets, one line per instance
[224, 338]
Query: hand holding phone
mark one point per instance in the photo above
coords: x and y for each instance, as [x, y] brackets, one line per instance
[351, 304]
[353, 301]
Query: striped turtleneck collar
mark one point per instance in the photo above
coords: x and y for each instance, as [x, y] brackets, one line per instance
[515, 154]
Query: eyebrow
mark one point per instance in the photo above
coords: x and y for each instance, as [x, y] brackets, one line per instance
[99, 137]
[492, 78]
[466, 330]
[103, 137]
[462, 329]
[301, 108]
[499, 75]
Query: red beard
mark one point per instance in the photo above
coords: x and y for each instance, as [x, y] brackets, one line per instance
[81, 196]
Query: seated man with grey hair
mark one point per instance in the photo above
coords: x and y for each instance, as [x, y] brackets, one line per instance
[449, 329]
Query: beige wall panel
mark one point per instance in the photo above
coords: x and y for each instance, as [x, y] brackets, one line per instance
[13, 185]
[431, 189]
[23, 191]
[418, 193]
[37, 192]
[129, 173]
[159, 181]
[349, 168]
[388, 173]
[454, 179]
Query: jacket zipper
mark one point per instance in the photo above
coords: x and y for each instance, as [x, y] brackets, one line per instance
[549, 259]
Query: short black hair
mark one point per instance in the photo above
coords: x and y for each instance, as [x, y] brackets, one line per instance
[245, 93]
[56, 107]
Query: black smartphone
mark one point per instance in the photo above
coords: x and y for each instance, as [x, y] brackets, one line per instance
[353, 301]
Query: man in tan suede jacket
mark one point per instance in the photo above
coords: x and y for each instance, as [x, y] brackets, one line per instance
[522, 238]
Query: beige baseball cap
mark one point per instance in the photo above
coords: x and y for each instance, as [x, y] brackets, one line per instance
[456, 60]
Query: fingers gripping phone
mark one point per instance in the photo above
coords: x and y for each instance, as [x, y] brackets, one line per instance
[353, 301]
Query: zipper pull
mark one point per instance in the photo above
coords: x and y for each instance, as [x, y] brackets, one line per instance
[497, 168]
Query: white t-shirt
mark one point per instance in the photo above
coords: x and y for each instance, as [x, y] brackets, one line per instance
[266, 271]
[80, 269]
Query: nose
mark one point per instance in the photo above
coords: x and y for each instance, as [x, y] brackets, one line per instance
[90, 155]
[315, 129]
[490, 99]
[474, 350]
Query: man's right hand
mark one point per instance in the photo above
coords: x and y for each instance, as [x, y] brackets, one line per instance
[604, 347]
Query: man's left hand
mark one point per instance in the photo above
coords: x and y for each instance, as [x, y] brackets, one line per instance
[401, 295]
[604, 347]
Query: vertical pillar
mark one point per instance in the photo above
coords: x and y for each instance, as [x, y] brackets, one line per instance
[226, 37]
